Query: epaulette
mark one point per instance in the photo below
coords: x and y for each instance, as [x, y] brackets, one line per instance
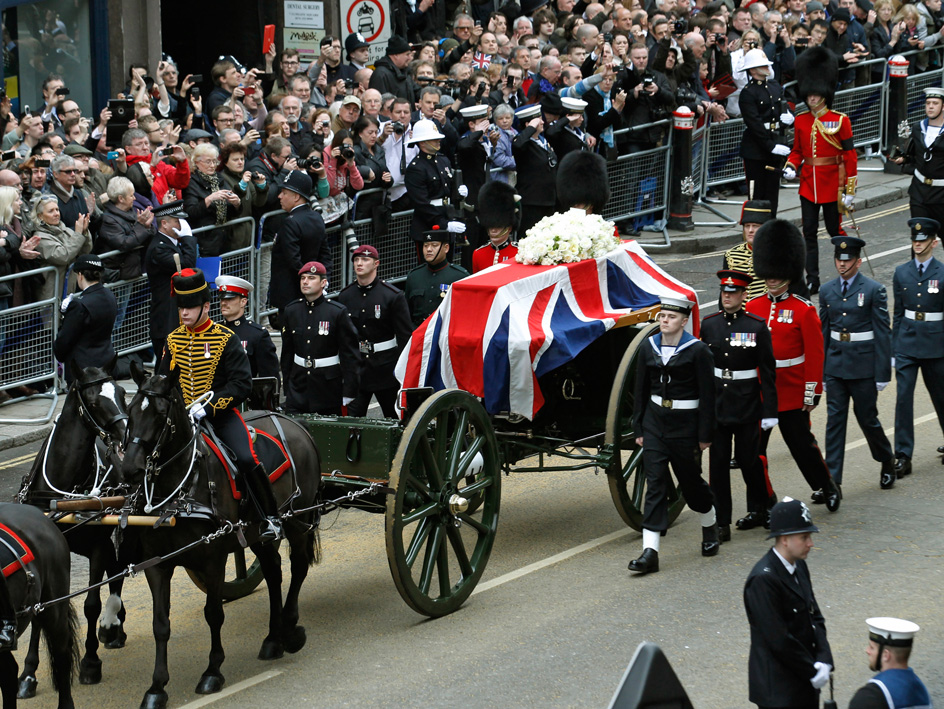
[805, 109]
[336, 304]
[390, 286]
[802, 299]
[417, 268]
[713, 315]
[756, 317]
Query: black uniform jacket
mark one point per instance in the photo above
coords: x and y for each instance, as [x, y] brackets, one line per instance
[788, 634]
[380, 314]
[85, 333]
[301, 239]
[255, 339]
[929, 161]
[312, 331]
[740, 342]
[429, 178]
[562, 139]
[160, 266]
[687, 376]
[760, 104]
[474, 162]
[537, 170]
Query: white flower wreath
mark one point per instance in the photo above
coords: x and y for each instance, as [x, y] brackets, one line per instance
[567, 237]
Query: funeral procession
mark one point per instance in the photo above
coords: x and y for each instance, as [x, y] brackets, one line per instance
[472, 353]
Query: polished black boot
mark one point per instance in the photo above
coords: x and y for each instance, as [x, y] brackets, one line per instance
[8, 635]
[902, 466]
[818, 497]
[261, 490]
[648, 563]
[710, 543]
[752, 520]
[888, 475]
[724, 532]
[833, 494]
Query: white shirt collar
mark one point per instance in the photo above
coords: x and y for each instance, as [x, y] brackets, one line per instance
[791, 568]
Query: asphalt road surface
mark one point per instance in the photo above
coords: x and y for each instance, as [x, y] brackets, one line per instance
[557, 616]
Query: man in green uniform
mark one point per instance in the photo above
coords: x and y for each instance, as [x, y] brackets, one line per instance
[428, 284]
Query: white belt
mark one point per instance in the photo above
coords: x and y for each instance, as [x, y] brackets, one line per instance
[791, 362]
[921, 315]
[927, 180]
[387, 345]
[674, 403]
[735, 373]
[438, 202]
[852, 336]
[317, 363]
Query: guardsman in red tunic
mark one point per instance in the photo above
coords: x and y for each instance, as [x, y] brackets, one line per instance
[823, 153]
[798, 350]
[498, 214]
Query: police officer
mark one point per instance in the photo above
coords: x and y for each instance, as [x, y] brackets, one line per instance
[917, 335]
[234, 297]
[763, 148]
[498, 215]
[320, 359]
[536, 164]
[790, 659]
[382, 319]
[300, 240]
[745, 400]
[428, 284]
[924, 159]
[174, 239]
[203, 356]
[565, 116]
[88, 319]
[754, 213]
[430, 182]
[797, 336]
[896, 686]
[857, 340]
[674, 413]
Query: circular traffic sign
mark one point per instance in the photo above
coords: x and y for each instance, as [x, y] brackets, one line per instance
[366, 4]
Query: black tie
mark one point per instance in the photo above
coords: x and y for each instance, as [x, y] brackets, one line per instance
[920, 270]
[845, 288]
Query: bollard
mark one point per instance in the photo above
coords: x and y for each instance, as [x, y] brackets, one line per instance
[683, 182]
[897, 129]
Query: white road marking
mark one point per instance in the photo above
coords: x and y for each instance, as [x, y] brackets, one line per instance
[229, 691]
[890, 431]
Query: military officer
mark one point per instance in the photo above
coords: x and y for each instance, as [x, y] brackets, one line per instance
[917, 335]
[430, 181]
[428, 284]
[498, 215]
[674, 413]
[565, 133]
[234, 297]
[924, 159]
[765, 115]
[536, 164]
[745, 400]
[790, 659]
[741, 257]
[896, 685]
[857, 340]
[797, 336]
[823, 148]
[203, 356]
[382, 319]
[320, 358]
[88, 319]
[174, 238]
[474, 158]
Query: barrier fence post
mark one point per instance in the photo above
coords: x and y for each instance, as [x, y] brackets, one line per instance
[682, 180]
[896, 117]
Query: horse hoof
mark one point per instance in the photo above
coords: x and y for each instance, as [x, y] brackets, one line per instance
[270, 650]
[154, 700]
[27, 688]
[112, 637]
[295, 639]
[210, 684]
[90, 671]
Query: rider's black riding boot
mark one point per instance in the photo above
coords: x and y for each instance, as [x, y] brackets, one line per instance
[7, 618]
[261, 491]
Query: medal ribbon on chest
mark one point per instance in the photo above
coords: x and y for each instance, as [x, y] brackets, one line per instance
[377, 312]
[785, 316]
[933, 286]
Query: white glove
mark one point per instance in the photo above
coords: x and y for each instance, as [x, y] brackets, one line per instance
[780, 150]
[767, 424]
[197, 411]
[184, 230]
[893, 362]
[463, 191]
[346, 400]
[789, 173]
[787, 118]
[880, 386]
[65, 302]
[848, 199]
[456, 227]
[821, 677]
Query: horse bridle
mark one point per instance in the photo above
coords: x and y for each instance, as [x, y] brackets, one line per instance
[85, 412]
[168, 430]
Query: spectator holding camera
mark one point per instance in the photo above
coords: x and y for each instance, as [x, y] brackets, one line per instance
[604, 110]
[136, 148]
[648, 98]
[399, 151]
[502, 156]
[888, 37]
[26, 136]
[250, 188]
[778, 46]
[299, 132]
[343, 176]
[369, 156]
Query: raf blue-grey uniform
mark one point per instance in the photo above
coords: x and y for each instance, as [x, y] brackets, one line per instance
[917, 339]
[857, 344]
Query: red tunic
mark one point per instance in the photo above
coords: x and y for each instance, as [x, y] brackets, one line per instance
[796, 333]
[824, 156]
[487, 256]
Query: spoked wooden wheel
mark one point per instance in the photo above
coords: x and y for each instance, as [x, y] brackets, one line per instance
[242, 576]
[441, 523]
[625, 474]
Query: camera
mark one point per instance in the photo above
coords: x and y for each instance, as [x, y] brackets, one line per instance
[8, 155]
[349, 83]
[750, 45]
[112, 155]
[648, 80]
[197, 78]
[42, 163]
[259, 175]
[680, 27]
[509, 81]
[349, 235]
[720, 37]
[608, 38]
[780, 28]
[801, 40]
[398, 128]
[62, 91]
[167, 152]
[194, 92]
[306, 163]
[347, 152]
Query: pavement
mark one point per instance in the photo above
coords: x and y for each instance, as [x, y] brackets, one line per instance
[28, 420]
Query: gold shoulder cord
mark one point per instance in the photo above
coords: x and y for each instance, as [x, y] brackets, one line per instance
[189, 350]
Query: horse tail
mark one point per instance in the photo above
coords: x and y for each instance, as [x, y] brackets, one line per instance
[61, 631]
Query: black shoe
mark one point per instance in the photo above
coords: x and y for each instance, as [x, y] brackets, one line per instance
[733, 464]
[8, 635]
[648, 563]
[813, 286]
[903, 466]
[724, 532]
[833, 495]
[888, 475]
[940, 449]
[270, 530]
[752, 520]
[710, 541]
[818, 497]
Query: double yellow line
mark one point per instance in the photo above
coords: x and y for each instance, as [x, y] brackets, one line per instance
[15, 462]
[877, 215]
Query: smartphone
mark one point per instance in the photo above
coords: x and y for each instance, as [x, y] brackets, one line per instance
[167, 152]
[195, 91]
[112, 155]
[8, 155]
[478, 23]
[42, 163]
[27, 111]
[509, 81]
[268, 38]
[801, 40]
[62, 91]
[197, 78]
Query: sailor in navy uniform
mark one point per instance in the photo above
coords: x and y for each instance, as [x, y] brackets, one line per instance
[857, 341]
[924, 159]
[234, 297]
[382, 318]
[536, 164]
[565, 134]
[917, 335]
[674, 415]
[896, 686]
[745, 400]
[320, 358]
[430, 181]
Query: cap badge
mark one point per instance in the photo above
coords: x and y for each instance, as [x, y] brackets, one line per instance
[805, 511]
[842, 244]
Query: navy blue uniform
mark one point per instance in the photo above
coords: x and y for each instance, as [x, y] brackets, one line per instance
[301, 238]
[429, 182]
[255, 339]
[160, 266]
[926, 164]
[761, 104]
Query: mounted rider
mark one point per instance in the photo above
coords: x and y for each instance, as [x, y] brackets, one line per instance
[203, 356]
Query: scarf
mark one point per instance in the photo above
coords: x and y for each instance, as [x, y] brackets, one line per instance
[607, 133]
[213, 181]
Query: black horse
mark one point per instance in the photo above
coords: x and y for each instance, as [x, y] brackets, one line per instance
[176, 474]
[79, 458]
[46, 578]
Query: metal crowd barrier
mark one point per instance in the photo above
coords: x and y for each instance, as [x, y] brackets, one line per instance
[722, 162]
[27, 333]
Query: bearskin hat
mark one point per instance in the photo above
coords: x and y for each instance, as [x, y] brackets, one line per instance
[817, 72]
[779, 251]
[582, 179]
[497, 205]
